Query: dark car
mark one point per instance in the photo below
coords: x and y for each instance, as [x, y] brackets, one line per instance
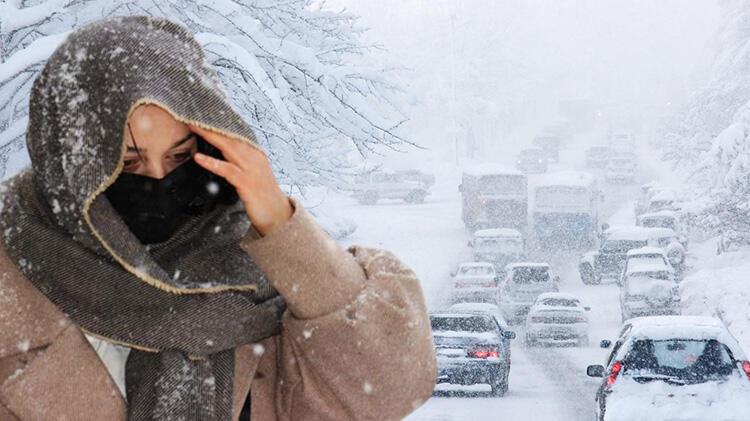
[469, 349]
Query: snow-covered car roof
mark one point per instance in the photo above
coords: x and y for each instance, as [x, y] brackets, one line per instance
[566, 178]
[498, 232]
[476, 264]
[479, 170]
[664, 213]
[637, 233]
[646, 268]
[683, 327]
[560, 295]
[645, 250]
[511, 266]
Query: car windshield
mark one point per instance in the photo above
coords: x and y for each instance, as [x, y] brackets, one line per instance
[622, 246]
[475, 271]
[476, 323]
[665, 241]
[662, 275]
[502, 184]
[560, 302]
[528, 275]
[532, 154]
[679, 361]
[658, 223]
[507, 245]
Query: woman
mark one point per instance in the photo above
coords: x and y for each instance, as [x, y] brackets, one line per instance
[152, 268]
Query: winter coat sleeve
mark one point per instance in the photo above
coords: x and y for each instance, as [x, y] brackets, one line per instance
[356, 340]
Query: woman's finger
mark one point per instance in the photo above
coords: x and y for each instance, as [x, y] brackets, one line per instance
[227, 170]
[229, 147]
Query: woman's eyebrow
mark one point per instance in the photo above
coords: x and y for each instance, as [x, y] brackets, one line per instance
[176, 144]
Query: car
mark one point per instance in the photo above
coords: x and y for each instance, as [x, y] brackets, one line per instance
[664, 219]
[523, 283]
[622, 142]
[506, 333]
[412, 186]
[494, 196]
[597, 156]
[662, 199]
[608, 261]
[647, 191]
[649, 290]
[532, 161]
[650, 257]
[665, 367]
[621, 169]
[499, 246]
[557, 318]
[475, 282]
[550, 144]
[468, 347]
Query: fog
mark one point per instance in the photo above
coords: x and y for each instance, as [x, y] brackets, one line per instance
[495, 70]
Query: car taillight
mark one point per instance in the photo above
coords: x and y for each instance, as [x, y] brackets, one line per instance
[484, 353]
[616, 368]
[537, 319]
[580, 319]
[746, 368]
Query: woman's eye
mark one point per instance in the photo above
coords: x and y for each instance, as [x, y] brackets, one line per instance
[181, 156]
[130, 163]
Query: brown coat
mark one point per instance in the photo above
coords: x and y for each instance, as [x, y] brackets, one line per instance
[355, 343]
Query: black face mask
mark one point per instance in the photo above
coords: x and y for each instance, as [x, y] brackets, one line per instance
[154, 208]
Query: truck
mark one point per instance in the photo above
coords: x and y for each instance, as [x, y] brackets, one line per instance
[566, 210]
[494, 196]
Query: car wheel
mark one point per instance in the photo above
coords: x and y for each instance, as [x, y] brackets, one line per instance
[369, 198]
[498, 387]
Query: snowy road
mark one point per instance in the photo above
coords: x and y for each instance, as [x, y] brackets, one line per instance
[545, 383]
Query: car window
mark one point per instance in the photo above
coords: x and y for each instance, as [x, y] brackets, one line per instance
[477, 323]
[475, 270]
[528, 275]
[560, 302]
[680, 360]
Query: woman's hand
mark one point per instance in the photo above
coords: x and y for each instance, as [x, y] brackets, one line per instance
[248, 170]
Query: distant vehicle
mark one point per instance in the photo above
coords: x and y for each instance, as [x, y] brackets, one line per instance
[649, 291]
[597, 156]
[522, 285]
[557, 318]
[494, 196]
[532, 161]
[664, 219]
[664, 366]
[411, 186]
[621, 169]
[622, 142]
[609, 260]
[499, 246]
[662, 200]
[566, 209]
[550, 144]
[475, 282]
[652, 258]
[506, 334]
[469, 347]
[647, 191]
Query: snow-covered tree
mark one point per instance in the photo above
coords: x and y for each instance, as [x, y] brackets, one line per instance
[292, 69]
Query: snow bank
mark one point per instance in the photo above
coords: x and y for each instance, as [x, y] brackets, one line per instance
[718, 287]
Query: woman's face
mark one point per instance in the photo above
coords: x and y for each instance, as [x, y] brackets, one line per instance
[157, 143]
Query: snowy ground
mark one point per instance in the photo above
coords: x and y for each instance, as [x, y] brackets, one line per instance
[545, 383]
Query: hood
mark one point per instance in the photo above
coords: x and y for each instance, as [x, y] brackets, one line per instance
[78, 108]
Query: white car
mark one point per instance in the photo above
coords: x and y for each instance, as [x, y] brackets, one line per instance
[673, 368]
[557, 318]
[499, 246]
[649, 290]
[652, 258]
[522, 285]
[475, 282]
